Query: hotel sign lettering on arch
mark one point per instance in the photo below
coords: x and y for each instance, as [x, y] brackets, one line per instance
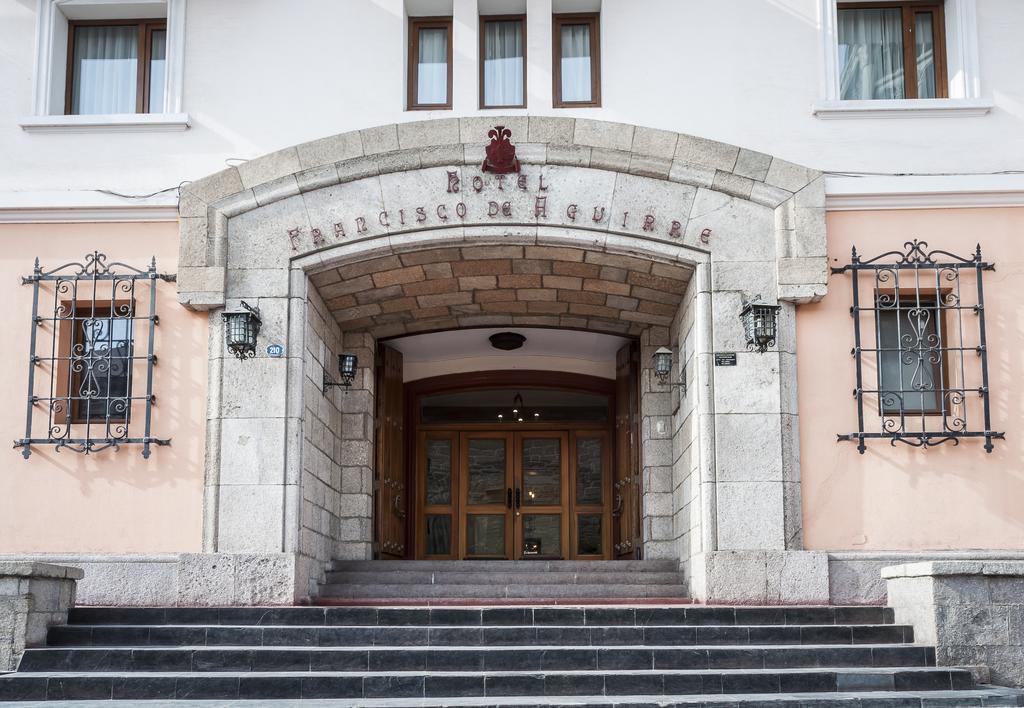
[480, 198]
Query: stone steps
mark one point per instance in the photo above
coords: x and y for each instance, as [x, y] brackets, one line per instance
[448, 659]
[498, 591]
[691, 615]
[531, 566]
[497, 635]
[643, 655]
[491, 580]
[413, 684]
[460, 577]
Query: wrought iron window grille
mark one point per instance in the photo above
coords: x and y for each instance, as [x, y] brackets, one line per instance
[927, 350]
[84, 360]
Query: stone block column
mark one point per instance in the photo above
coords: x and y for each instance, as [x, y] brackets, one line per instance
[33, 597]
[971, 611]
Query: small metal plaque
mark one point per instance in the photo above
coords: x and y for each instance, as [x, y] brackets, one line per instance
[725, 358]
[275, 350]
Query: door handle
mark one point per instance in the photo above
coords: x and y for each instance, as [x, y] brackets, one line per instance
[509, 502]
[519, 497]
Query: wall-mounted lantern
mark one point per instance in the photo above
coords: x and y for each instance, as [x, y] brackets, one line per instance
[347, 365]
[663, 368]
[241, 327]
[760, 324]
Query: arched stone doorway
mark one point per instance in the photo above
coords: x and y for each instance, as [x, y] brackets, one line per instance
[607, 228]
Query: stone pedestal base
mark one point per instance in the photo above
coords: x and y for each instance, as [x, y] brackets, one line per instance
[971, 611]
[185, 579]
[761, 577]
[33, 596]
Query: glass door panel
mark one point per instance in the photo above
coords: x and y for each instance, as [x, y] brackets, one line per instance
[590, 467]
[542, 481]
[438, 460]
[487, 492]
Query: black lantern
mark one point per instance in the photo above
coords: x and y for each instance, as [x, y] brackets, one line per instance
[241, 326]
[760, 322]
[347, 365]
[663, 368]
[663, 363]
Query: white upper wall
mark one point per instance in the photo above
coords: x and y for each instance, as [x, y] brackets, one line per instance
[261, 74]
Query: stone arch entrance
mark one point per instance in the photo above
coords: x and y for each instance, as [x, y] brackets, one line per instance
[607, 227]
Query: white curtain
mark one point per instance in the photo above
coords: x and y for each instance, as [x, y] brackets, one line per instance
[105, 69]
[432, 75]
[924, 50]
[157, 71]
[575, 42]
[870, 53]
[503, 63]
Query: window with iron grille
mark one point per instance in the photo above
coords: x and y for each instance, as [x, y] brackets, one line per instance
[91, 359]
[920, 347]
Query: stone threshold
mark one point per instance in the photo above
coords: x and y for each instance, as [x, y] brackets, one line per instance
[503, 601]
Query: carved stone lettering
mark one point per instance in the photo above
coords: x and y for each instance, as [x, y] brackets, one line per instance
[318, 237]
[598, 215]
[421, 215]
[521, 182]
[478, 183]
[442, 213]
[540, 207]
[460, 210]
[361, 225]
[649, 222]
[339, 230]
[570, 212]
[675, 230]
[501, 182]
[492, 209]
[383, 219]
[453, 181]
[293, 237]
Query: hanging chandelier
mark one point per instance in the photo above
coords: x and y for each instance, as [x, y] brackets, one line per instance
[518, 414]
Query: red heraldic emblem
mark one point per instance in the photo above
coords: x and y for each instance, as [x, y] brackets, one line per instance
[501, 153]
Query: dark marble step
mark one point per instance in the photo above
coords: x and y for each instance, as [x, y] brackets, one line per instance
[268, 686]
[680, 635]
[447, 659]
[696, 615]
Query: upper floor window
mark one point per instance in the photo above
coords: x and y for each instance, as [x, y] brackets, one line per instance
[576, 60]
[430, 63]
[116, 66]
[891, 50]
[503, 61]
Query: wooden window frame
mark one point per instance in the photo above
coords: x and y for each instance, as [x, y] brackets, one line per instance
[68, 335]
[144, 57]
[933, 303]
[484, 19]
[412, 98]
[909, 8]
[576, 18]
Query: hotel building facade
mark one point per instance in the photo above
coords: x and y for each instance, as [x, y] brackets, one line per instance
[732, 284]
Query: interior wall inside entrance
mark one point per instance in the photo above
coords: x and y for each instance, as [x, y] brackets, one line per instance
[545, 349]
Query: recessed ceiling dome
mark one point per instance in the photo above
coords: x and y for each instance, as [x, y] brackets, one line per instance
[507, 341]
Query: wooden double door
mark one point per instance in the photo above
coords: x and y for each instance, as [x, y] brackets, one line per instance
[500, 494]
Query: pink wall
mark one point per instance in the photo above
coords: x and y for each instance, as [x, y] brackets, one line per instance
[903, 498]
[110, 502]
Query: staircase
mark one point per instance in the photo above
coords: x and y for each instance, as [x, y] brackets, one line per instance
[461, 582]
[641, 655]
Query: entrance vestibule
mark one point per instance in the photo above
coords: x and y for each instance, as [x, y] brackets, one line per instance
[534, 482]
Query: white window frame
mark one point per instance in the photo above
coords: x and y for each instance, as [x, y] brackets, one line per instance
[962, 70]
[50, 75]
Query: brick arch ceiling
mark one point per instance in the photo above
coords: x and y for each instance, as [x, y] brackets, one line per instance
[477, 286]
